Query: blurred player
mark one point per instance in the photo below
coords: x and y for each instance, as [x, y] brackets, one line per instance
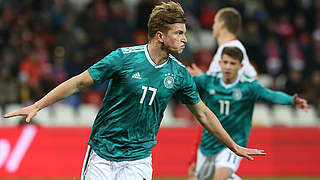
[142, 81]
[227, 23]
[231, 96]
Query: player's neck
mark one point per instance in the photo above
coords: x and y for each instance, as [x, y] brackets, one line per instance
[158, 55]
[230, 80]
[226, 37]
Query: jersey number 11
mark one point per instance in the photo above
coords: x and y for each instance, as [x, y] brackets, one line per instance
[224, 107]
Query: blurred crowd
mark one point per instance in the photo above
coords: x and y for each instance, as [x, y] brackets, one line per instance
[45, 42]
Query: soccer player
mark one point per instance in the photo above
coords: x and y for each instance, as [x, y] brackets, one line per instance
[227, 23]
[231, 96]
[142, 81]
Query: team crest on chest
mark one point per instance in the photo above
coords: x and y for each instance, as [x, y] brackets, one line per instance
[237, 94]
[168, 80]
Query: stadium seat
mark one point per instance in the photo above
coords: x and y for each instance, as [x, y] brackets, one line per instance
[309, 118]
[86, 114]
[283, 115]
[262, 115]
[63, 115]
[44, 117]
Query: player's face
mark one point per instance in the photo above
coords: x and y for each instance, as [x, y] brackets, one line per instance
[175, 39]
[229, 67]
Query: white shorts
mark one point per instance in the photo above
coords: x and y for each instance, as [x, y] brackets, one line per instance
[206, 165]
[97, 168]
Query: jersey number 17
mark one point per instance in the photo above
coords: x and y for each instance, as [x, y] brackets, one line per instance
[145, 89]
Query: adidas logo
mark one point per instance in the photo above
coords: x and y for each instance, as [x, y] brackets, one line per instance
[136, 75]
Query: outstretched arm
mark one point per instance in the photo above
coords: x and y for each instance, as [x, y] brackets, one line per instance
[209, 121]
[65, 89]
[278, 97]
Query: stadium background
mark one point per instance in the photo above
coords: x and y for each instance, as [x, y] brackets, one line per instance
[44, 42]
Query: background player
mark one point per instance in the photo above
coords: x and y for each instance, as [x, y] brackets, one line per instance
[142, 81]
[227, 23]
[231, 96]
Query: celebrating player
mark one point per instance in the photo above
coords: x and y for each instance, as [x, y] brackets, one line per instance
[142, 81]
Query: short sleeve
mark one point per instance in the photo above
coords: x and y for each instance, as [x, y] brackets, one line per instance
[188, 93]
[107, 67]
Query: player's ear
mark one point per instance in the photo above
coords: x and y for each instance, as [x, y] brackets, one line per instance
[223, 23]
[159, 36]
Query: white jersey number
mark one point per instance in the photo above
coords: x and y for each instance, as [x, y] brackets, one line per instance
[145, 89]
[224, 107]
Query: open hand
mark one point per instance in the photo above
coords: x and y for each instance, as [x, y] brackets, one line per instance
[29, 112]
[247, 153]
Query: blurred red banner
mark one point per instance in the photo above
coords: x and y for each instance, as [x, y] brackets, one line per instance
[32, 151]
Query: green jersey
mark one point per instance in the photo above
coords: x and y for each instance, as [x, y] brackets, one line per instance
[138, 92]
[233, 105]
